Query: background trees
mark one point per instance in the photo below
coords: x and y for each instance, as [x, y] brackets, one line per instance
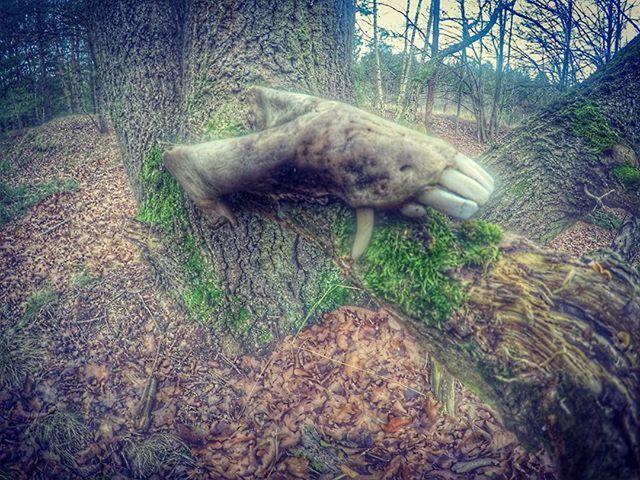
[533, 51]
[46, 66]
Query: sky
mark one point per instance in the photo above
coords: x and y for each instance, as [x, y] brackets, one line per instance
[391, 18]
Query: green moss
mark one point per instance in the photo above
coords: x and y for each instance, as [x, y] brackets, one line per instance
[627, 175]
[265, 336]
[241, 320]
[604, 219]
[344, 229]
[15, 200]
[409, 264]
[587, 122]
[201, 295]
[164, 206]
[479, 243]
[521, 187]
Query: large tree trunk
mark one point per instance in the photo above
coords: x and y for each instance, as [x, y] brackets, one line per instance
[548, 166]
[552, 342]
[172, 71]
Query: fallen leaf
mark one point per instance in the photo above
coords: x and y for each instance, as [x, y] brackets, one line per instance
[396, 424]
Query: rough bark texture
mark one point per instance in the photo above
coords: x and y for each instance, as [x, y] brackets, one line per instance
[627, 241]
[138, 55]
[173, 71]
[552, 343]
[544, 166]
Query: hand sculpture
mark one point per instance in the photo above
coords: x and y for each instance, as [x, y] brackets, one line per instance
[334, 148]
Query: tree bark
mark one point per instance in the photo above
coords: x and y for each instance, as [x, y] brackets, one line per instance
[627, 241]
[175, 71]
[552, 342]
[545, 165]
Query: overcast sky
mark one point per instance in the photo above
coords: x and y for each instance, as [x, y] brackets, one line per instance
[391, 17]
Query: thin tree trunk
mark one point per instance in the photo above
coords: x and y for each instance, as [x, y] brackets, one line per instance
[497, 93]
[406, 68]
[463, 61]
[379, 100]
[432, 82]
[96, 89]
[566, 53]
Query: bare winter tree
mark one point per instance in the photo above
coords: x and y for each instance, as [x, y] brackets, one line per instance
[379, 97]
[601, 25]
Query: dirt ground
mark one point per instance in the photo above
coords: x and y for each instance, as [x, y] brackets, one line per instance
[119, 384]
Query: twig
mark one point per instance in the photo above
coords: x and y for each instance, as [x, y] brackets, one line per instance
[142, 413]
[94, 319]
[598, 200]
[149, 311]
[233, 365]
[106, 320]
[51, 229]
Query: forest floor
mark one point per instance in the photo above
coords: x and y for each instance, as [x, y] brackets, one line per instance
[110, 380]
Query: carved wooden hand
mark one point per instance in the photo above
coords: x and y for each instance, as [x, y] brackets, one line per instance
[333, 148]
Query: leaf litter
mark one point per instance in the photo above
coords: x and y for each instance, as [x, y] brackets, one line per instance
[146, 393]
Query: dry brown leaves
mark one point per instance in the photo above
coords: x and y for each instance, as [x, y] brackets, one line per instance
[357, 379]
[582, 238]
[69, 231]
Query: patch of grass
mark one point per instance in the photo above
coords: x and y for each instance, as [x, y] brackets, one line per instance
[333, 291]
[21, 356]
[164, 207]
[64, 434]
[627, 175]
[36, 303]
[409, 264]
[14, 201]
[156, 454]
[587, 122]
[84, 277]
[604, 219]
